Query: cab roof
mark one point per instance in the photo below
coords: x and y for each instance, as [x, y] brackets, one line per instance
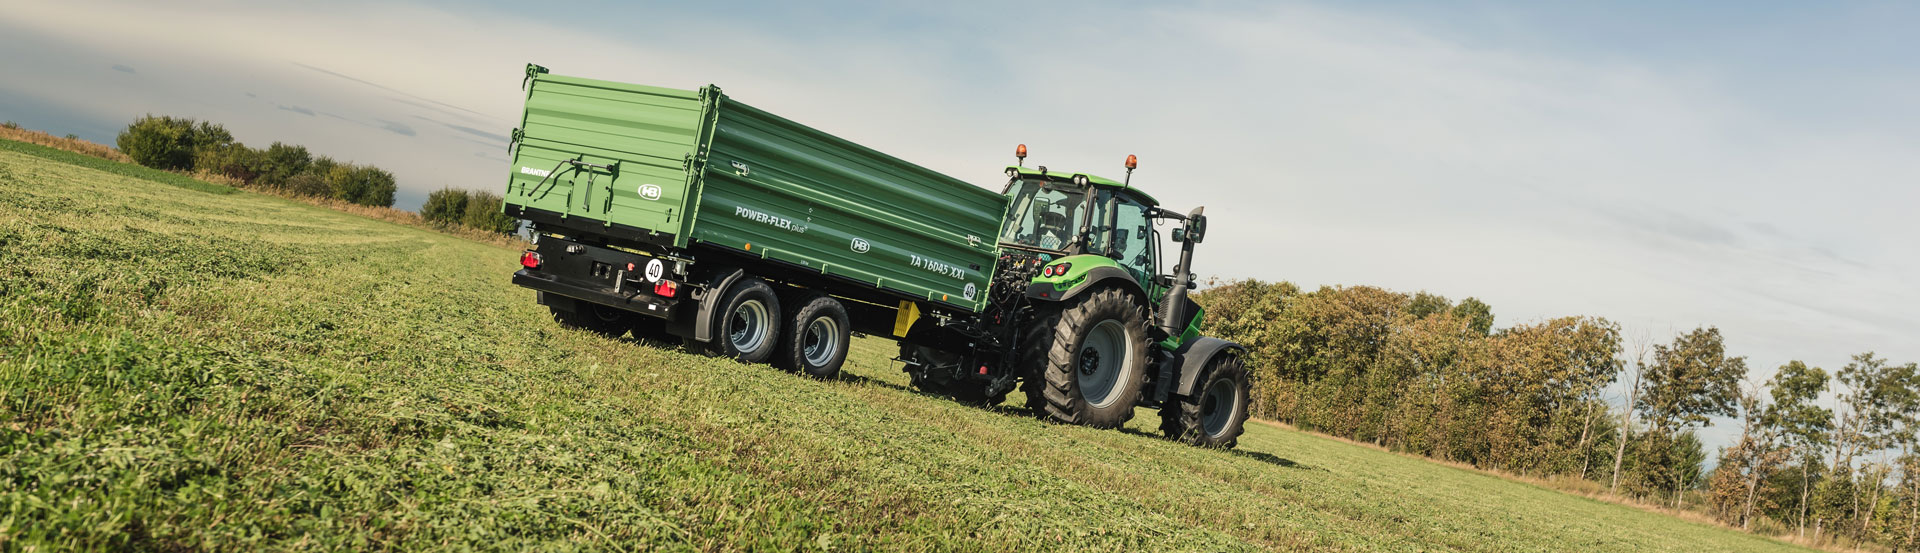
[1095, 180]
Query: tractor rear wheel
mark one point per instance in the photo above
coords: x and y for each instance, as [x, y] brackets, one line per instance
[1035, 343]
[1215, 413]
[1098, 360]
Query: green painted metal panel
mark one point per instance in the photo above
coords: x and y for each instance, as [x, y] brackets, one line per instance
[733, 176]
[633, 143]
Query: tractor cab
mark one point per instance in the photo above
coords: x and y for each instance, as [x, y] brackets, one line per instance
[1066, 214]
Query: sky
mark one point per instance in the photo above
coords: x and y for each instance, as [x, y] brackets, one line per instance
[1746, 165]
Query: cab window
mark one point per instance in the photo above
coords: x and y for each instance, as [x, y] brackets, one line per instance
[1133, 238]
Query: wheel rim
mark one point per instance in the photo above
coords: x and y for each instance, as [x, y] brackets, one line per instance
[1217, 407]
[1104, 356]
[821, 341]
[748, 326]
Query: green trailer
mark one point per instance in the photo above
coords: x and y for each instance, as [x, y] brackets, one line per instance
[683, 168]
[685, 216]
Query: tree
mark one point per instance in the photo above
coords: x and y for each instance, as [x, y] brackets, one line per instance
[1690, 380]
[1478, 314]
[1626, 413]
[1802, 424]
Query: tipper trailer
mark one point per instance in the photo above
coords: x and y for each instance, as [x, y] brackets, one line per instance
[687, 215]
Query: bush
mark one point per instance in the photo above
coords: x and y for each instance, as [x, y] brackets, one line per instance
[308, 184]
[483, 213]
[446, 205]
[235, 161]
[281, 162]
[359, 184]
[169, 142]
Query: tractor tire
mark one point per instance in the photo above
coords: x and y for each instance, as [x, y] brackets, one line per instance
[817, 338]
[1036, 341]
[747, 325]
[1098, 360]
[592, 317]
[1216, 413]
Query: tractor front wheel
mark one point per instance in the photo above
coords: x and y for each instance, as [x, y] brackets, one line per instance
[1215, 413]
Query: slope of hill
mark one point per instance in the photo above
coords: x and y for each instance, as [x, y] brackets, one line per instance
[184, 369]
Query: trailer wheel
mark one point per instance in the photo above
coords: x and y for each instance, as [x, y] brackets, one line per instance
[1097, 362]
[747, 325]
[1216, 413]
[817, 338]
[592, 317]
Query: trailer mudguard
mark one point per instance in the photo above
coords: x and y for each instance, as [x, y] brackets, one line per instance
[699, 326]
[1194, 356]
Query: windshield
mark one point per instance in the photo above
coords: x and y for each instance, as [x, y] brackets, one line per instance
[1045, 215]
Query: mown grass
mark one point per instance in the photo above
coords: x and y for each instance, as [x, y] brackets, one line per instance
[181, 370]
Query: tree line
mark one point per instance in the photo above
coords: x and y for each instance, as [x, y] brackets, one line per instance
[1426, 375]
[182, 144]
[185, 145]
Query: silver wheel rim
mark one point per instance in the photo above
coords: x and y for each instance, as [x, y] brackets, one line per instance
[1104, 358]
[747, 327]
[1217, 407]
[821, 341]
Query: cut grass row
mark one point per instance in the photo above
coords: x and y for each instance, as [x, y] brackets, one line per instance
[243, 372]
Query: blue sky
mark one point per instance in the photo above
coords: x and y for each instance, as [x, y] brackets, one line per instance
[1749, 165]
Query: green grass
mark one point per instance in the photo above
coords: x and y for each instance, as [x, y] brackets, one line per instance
[114, 167]
[181, 370]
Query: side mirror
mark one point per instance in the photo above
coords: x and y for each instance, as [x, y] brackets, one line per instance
[1179, 235]
[1197, 229]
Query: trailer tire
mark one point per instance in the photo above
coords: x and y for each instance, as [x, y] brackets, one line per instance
[592, 317]
[817, 337]
[747, 325]
[1216, 413]
[1098, 360]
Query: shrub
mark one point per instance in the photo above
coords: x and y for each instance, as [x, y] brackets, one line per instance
[483, 213]
[447, 205]
[235, 161]
[308, 184]
[280, 162]
[165, 142]
[10, 125]
[359, 184]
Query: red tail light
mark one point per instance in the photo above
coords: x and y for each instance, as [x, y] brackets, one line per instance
[530, 260]
[666, 288]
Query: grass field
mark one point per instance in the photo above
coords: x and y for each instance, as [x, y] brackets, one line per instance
[186, 369]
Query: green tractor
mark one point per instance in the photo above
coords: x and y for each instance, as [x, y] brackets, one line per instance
[1084, 319]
